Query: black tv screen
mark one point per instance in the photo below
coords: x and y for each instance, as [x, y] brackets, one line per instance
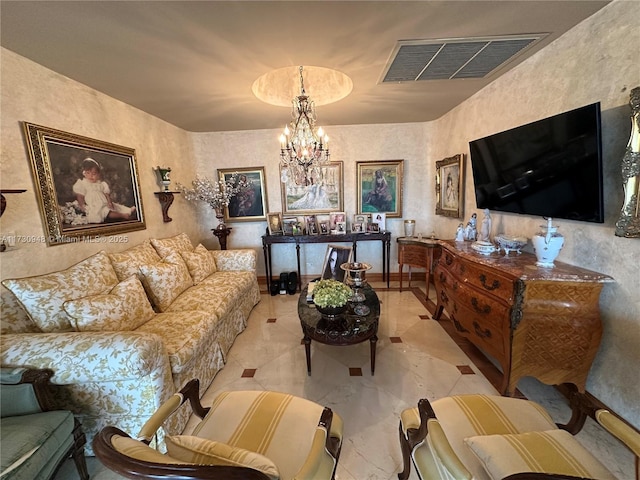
[551, 167]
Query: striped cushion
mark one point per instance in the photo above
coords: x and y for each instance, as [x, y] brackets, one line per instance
[553, 451]
[206, 452]
[279, 426]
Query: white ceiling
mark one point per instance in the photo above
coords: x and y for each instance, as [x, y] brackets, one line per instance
[192, 63]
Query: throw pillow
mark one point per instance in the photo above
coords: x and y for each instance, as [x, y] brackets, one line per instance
[200, 263]
[208, 452]
[124, 308]
[165, 280]
[42, 296]
[552, 451]
[179, 243]
[128, 262]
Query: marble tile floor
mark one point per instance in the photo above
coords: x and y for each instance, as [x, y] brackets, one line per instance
[415, 358]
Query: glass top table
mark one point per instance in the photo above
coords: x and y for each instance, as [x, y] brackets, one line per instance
[347, 329]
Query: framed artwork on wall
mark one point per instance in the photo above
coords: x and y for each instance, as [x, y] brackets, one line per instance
[324, 196]
[251, 204]
[379, 187]
[450, 186]
[87, 189]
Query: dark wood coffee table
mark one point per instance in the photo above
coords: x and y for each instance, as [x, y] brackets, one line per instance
[347, 329]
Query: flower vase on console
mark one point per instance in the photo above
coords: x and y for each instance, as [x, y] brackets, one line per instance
[547, 244]
[220, 217]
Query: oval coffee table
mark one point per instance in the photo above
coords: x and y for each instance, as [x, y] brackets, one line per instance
[348, 329]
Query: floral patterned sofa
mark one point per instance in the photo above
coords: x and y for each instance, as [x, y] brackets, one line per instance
[124, 331]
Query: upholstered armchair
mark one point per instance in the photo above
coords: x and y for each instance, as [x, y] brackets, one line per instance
[36, 439]
[248, 435]
[491, 437]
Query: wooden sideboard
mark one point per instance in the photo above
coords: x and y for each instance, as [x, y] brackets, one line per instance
[539, 322]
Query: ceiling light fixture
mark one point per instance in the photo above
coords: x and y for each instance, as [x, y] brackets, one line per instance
[303, 149]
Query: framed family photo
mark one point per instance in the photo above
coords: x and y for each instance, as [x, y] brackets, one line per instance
[251, 204]
[86, 188]
[379, 187]
[323, 196]
[274, 222]
[450, 186]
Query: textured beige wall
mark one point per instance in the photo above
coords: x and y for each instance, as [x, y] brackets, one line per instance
[37, 95]
[595, 61]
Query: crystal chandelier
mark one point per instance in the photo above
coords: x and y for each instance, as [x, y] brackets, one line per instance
[303, 150]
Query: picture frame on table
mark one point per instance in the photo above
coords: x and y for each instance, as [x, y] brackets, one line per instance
[373, 228]
[335, 256]
[450, 186]
[311, 225]
[86, 188]
[334, 219]
[379, 219]
[324, 196]
[274, 222]
[379, 187]
[251, 204]
[289, 224]
[358, 227]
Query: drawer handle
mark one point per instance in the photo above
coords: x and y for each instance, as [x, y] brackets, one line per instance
[443, 277]
[475, 304]
[448, 260]
[444, 297]
[493, 286]
[459, 326]
[481, 333]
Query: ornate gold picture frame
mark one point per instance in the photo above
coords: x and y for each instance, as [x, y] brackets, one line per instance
[87, 189]
[379, 187]
[450, 186]
[249, 205]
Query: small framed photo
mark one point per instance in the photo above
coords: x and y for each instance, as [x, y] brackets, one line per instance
[379, 219]
[361, 218]
[334, 218]
[358, 227]
[341, 228]
[311, 225]
[275, 223]
[336, 255]
[450, 186]
[324, 227]
[289, 224]
[373, 228]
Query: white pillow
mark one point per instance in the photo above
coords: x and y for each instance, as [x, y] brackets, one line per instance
[165, 280]
[200, 263]
[124, 308]
[208, 452]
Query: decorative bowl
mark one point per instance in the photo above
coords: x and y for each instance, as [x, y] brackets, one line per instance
[510, 243]
[482, 247]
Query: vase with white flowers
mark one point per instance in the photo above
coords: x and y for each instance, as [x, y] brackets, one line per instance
[331, 297]
[217, 194]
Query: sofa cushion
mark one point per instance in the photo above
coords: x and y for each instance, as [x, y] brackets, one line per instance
[200, 263]
[552, 451]
[42, 296]
[207, 452]
[184, 334]
[165, 280]
[179, 243]
[128, 262]
[124, 308]
[32, 444]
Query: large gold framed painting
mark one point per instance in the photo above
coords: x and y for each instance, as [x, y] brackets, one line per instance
[87, 189]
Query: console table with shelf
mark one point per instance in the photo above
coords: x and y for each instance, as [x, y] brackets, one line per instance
[534, 321]
[353, 238]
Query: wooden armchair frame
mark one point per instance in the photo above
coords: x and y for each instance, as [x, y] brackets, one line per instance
[137, 469]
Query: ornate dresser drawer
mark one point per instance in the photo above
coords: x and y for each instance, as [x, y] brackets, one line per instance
[540, 322]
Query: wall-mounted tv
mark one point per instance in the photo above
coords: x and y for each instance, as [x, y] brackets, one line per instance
[550, 168]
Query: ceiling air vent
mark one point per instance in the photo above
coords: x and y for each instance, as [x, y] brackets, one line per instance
[453, 58]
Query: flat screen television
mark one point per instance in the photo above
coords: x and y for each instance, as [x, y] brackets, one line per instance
[550, 168]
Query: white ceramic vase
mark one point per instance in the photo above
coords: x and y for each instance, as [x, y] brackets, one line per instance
[547, 244]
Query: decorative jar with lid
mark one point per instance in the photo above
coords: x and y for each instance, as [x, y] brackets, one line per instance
[547, 244]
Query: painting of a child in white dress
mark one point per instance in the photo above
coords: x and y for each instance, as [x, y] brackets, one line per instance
[94, 196]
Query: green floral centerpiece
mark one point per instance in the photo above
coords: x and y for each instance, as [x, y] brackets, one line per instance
[331, 297]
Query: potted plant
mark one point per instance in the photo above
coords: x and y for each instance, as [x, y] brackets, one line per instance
[331, 297]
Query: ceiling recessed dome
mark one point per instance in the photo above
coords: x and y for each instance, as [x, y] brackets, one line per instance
[322, 85]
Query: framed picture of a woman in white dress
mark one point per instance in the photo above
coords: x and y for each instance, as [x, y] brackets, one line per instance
[323, 194]
[88, 190]
[450, 186]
